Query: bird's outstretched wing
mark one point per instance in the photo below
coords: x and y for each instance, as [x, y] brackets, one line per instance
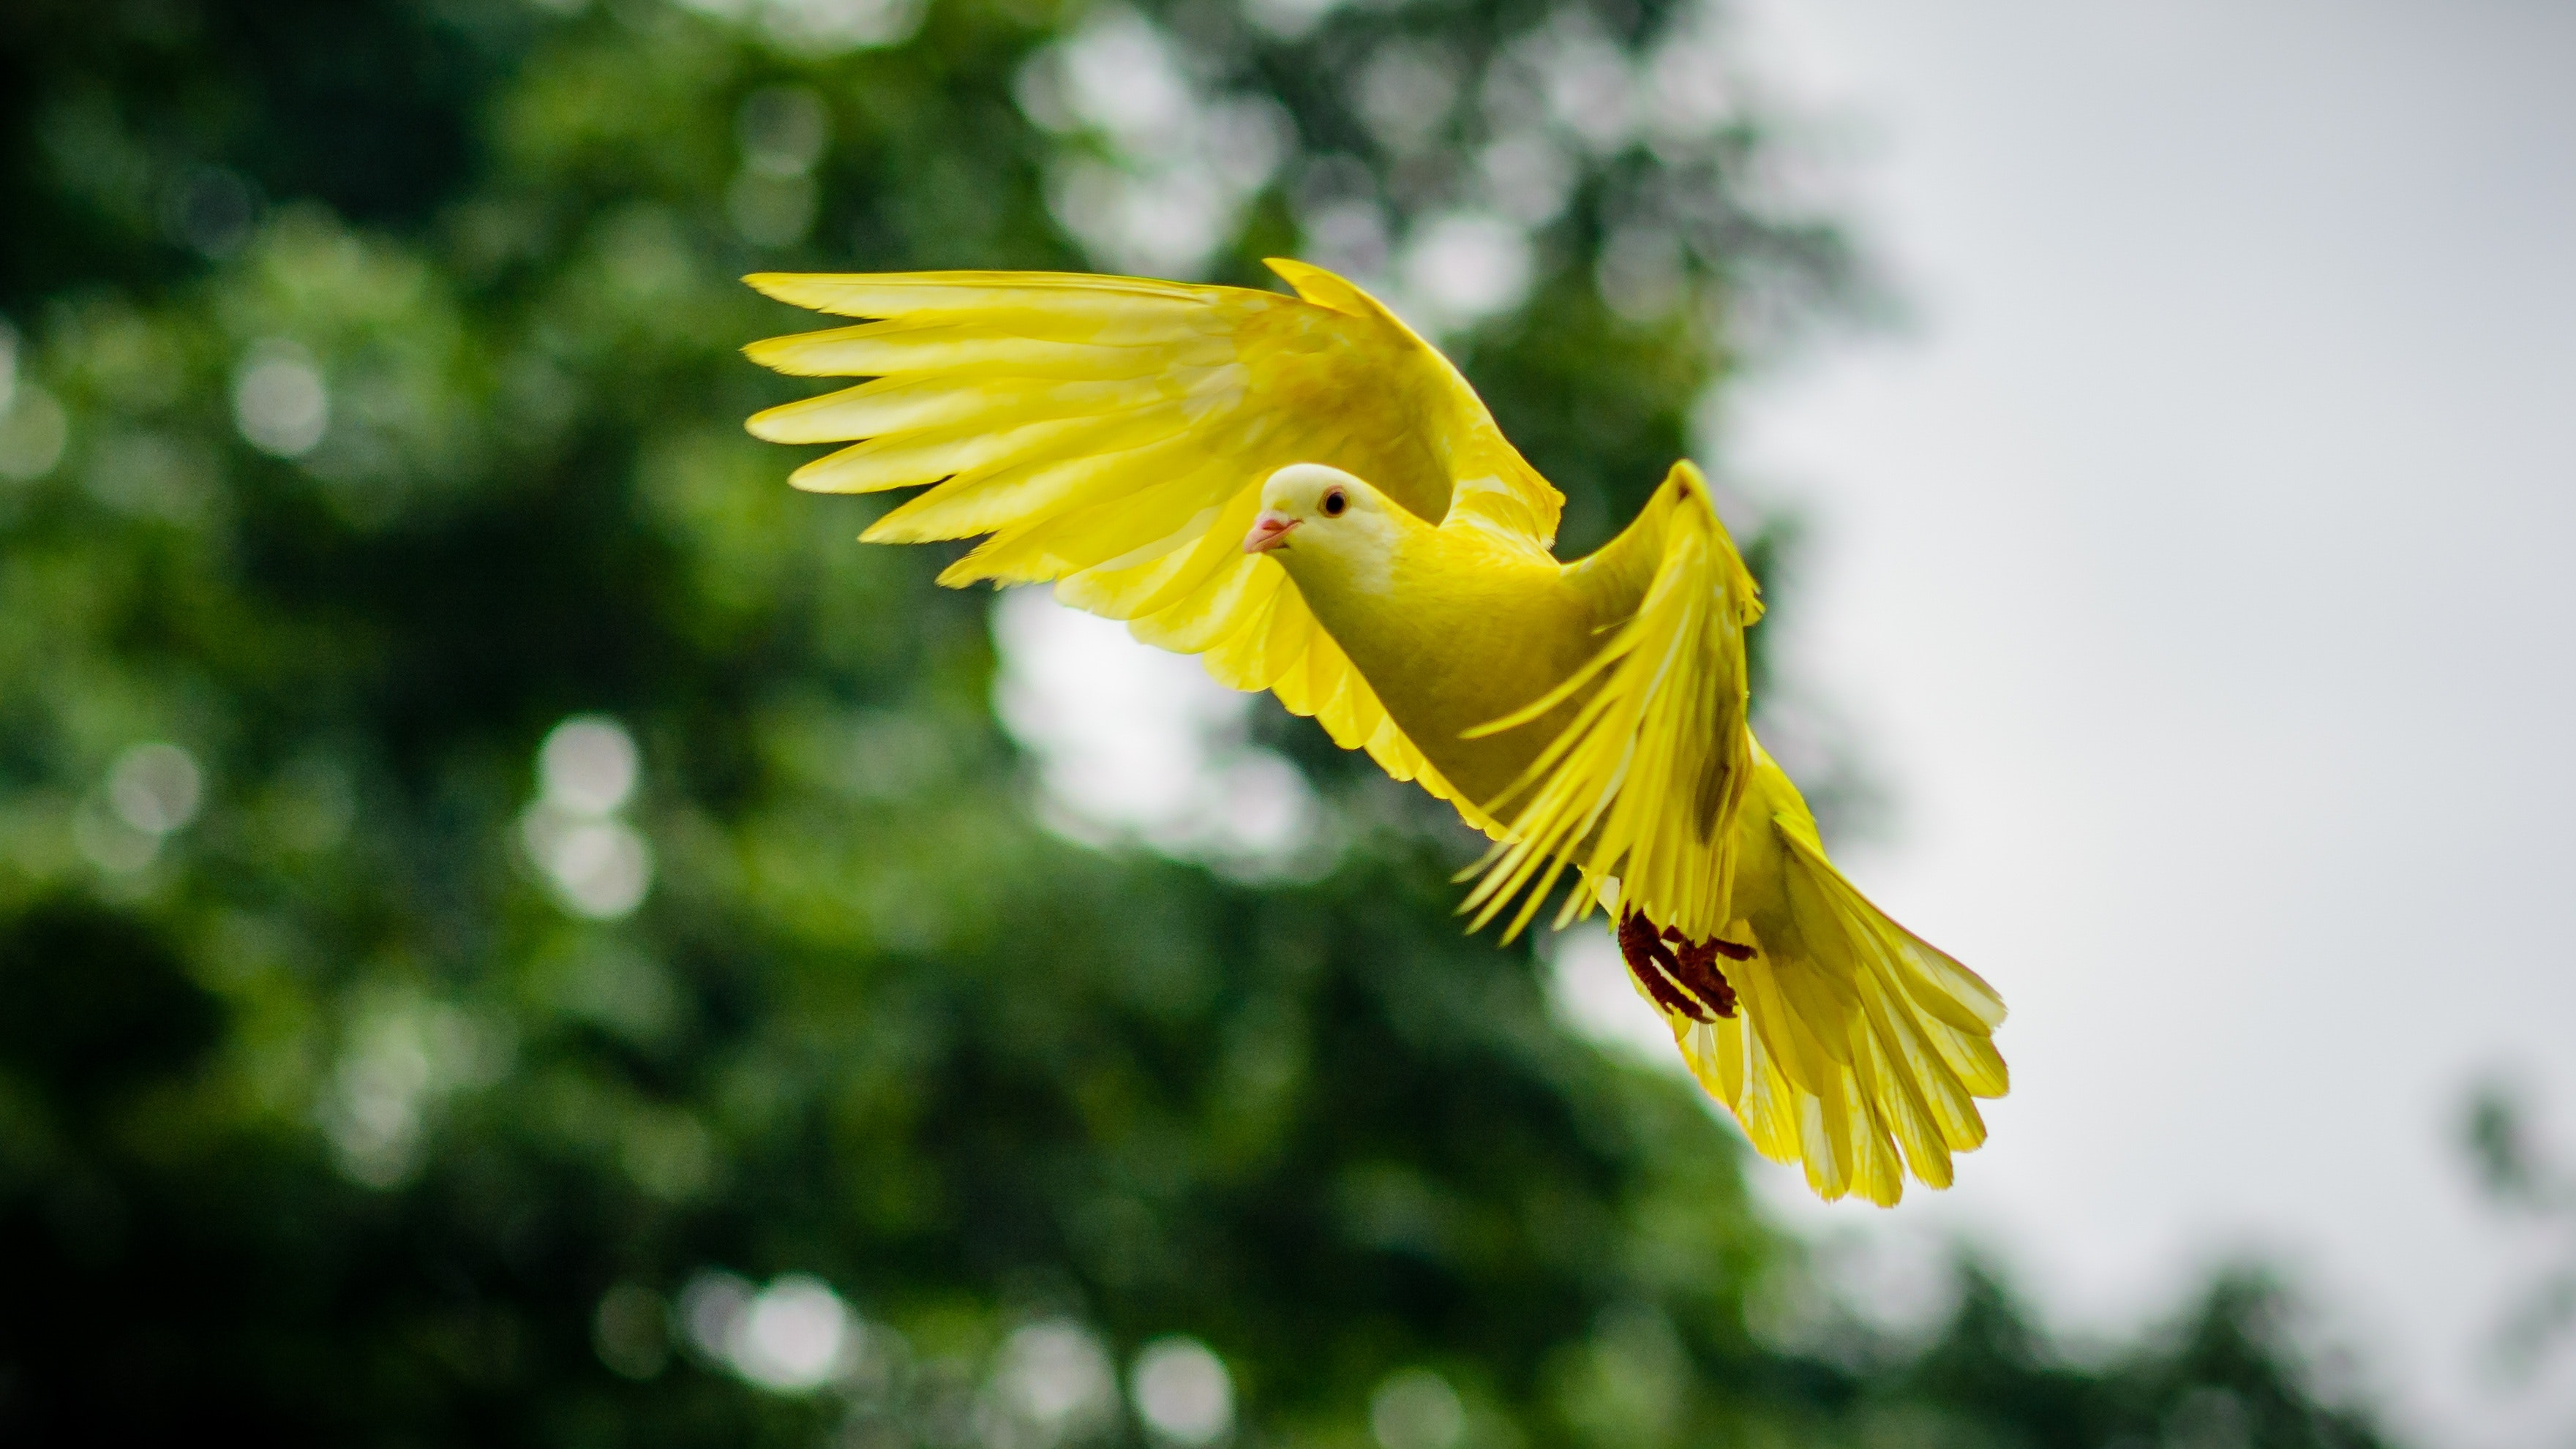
[1110, 435]
[1857, 1041]
[1643, 783]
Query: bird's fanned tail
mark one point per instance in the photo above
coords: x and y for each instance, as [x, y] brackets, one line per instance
[1861, 1049]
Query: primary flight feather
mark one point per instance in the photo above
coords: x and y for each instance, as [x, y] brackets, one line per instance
[1307, 495]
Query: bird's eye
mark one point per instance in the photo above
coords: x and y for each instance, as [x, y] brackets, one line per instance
[1335, 501]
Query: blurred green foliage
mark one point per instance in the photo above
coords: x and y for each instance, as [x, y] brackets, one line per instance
[2522, 1178]
[386, 1060]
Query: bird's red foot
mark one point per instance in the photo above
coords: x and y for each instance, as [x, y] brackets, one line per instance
[1681, 975]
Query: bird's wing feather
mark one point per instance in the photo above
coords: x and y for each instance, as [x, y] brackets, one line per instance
[1110, 435]
[1861, 1048]
[1643, 782]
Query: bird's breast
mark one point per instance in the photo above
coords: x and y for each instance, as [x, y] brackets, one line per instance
[1449, 649]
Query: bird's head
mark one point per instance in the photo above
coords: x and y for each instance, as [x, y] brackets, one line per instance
[1308, 507]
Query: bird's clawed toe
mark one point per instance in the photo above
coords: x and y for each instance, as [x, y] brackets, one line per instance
[1680, 974]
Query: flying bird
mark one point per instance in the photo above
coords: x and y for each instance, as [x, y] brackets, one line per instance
[1305, 494]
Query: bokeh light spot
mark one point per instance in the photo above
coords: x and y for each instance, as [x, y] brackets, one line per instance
[1052, 1381]
[588, 765]
[279, 400]
[602, 868]
[1135, 742]
[1183, 1392]
[155, 788]
[793, 1336]
[712, 1305]
[772, 211]
[1416, 1409]
[1465, 266]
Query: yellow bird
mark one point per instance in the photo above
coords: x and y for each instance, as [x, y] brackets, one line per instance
[1307, 495]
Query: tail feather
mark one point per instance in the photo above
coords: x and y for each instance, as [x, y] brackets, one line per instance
[1862, 1049]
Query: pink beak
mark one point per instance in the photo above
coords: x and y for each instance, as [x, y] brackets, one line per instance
[1269, 531]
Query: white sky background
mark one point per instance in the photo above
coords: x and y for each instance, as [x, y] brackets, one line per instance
[2196, 573]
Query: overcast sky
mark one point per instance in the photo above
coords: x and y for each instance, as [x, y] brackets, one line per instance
[2197, 572]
